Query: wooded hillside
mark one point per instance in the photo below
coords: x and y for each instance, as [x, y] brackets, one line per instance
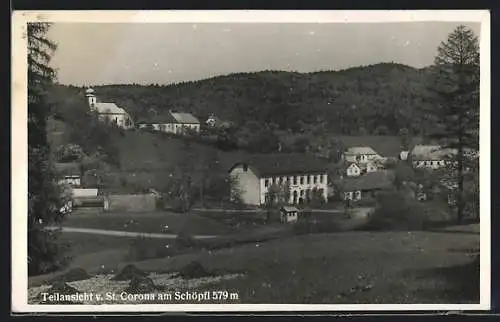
[378, 99]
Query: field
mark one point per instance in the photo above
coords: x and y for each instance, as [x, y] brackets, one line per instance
[154, 222]
[401, 267]
[344, 267]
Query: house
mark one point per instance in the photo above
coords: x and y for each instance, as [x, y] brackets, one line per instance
[214, 122]
[356, 169]
[109, 112]
[171, 122]
[353, 170]
[362, 154]
[289, 214]
[70, 173]
[302, 174]
[365, 186]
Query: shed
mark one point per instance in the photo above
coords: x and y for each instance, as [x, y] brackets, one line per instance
[289, 214]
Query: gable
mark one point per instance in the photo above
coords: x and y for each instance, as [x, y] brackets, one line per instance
[353, 166]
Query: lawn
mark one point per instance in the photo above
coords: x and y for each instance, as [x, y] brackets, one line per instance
[343, 267]
[393, 267]
[154, 222]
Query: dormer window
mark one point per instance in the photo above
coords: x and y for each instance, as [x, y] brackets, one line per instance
[245, 167]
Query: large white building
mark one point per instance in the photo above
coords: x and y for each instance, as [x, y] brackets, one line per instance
[303, 175]
[109, 112]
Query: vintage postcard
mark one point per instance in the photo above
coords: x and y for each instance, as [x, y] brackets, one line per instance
[206, 161]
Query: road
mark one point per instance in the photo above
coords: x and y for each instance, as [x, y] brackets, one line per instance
[123, 233]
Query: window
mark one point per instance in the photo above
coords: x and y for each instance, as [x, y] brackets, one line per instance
[245, 167]
[308, 179]
[315, 179]
[294, 179]
[266, 182]
[358, 195]
[301, 180]
[321, 179]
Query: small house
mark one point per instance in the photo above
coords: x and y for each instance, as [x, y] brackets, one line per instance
[353, 170]
[289, 214]
[69, 173]
[361, 154]
[171, 122]
[365, 186]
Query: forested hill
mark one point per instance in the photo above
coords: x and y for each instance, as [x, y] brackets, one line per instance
[375, 99]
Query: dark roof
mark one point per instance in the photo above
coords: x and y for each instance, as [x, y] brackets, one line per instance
[369, 181]
[283, 164]
[67, 169]
[158, 118]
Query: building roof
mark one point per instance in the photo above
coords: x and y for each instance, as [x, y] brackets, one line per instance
[283, 164]
[290, 209]
[185, 118]
[67, 169]
[109, 108]
[158, 118]
[369, 181]
[431, 153]
[360, 150]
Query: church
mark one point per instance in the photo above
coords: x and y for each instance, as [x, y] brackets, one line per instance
[109, 112]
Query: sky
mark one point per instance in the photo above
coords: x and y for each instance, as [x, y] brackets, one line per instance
[165, 53]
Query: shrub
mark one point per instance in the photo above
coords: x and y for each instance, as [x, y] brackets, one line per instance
[194, 270]
[141, 284]
[128, 273]
[396, 211]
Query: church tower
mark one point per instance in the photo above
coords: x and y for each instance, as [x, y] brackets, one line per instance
[89, 93]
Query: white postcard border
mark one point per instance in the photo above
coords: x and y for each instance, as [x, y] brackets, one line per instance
[19, 143]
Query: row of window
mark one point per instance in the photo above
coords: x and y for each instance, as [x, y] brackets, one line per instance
[296, 179]
[350, 195]
[298, 196]
[430, 163]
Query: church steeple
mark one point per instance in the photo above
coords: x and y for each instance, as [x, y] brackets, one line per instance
[89, 93]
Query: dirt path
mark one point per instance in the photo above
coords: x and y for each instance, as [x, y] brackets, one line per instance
[123, 233]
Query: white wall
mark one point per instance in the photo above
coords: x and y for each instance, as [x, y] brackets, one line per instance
[248, 183]
[174, 128]
[352, 195]
[120, 119]
[353, 171]
[84, 192]
[370, 167]
[361, 158]
[74, 181]
[431, 164]
[302, 184]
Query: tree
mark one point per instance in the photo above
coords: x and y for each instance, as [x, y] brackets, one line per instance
[44, 194]
[69, 153]
[456, 85]
[404, 136]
